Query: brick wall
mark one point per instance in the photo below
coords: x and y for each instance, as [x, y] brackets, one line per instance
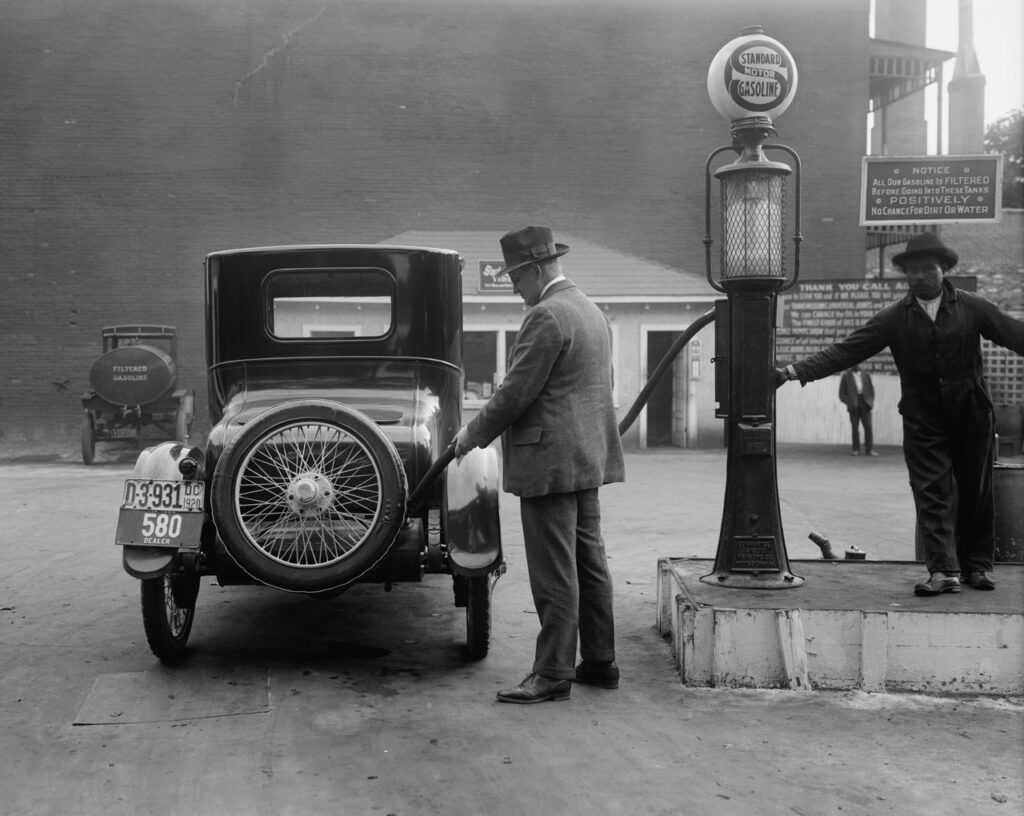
[138, 135]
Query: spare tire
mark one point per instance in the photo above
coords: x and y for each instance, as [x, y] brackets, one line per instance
[309, 496]
[133, 375]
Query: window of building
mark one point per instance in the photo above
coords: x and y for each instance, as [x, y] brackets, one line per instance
[485, 353]
[485, 361]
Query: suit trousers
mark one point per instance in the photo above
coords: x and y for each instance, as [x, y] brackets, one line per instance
[861, 415]
[569, 579]
[950, 459]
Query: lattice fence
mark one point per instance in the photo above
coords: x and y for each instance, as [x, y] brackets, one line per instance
[1004, 371]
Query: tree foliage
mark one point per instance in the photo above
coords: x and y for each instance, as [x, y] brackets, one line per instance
[1006, 136]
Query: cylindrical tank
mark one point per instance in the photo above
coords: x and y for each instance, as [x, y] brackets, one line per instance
[133, 375]
[1010, 427]
[1008, 486]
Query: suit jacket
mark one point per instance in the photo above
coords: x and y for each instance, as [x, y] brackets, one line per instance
[554, 407]
[848, 390]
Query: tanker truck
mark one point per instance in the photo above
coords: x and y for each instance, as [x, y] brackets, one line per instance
[132, 396]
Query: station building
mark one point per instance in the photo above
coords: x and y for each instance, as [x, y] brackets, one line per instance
[647, 305]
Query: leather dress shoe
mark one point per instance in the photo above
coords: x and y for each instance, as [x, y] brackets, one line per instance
[980, 580]
[937, 584]
[536, 688]
[594, 673]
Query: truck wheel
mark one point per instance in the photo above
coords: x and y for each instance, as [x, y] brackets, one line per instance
[88, 439]
[478, 616]
[168, 625]
[309, 496]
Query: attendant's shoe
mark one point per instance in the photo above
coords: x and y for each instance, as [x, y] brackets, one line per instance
[536, 688]
[855, 453]
[937, 584]
[598, 673]
[872, 453]
[980, 580]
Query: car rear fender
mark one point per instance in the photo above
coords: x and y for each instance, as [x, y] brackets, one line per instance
[163, 461]
[473, 528]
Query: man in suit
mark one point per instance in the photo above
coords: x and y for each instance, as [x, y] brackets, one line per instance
[560, 443]
[857, 393]
[935, 334]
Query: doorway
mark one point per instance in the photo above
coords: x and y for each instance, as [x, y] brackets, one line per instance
[666, 408]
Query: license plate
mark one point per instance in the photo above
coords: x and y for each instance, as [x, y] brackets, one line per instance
[163, 494]
[159, 513]
[121, 433]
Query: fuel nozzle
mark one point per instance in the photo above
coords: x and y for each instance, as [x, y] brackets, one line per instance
[824, 545]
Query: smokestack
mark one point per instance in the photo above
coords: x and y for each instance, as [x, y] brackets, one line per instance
[966, 91]
[966, 56]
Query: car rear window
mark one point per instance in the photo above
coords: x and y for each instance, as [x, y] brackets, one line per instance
[329, 303]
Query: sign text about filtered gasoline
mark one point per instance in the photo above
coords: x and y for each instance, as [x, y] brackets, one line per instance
[930, 189]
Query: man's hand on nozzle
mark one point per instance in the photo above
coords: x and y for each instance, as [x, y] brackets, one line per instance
[463, 445]
[781, 377]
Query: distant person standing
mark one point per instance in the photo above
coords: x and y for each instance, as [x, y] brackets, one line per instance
[935, 334]
[857, 393]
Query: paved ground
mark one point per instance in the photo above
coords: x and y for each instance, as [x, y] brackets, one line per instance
[365, 704]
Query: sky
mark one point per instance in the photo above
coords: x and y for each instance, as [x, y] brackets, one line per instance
[998, 42]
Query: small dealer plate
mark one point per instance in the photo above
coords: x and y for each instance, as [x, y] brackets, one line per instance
[126, 432]
[161, 513]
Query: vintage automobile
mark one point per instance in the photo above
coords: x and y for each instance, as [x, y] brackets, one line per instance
[133, 395]
[335, 391]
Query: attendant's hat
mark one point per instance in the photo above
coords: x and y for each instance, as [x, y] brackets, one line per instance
[927, 243]
[529, 245]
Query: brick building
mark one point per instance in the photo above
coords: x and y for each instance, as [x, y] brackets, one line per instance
[139, 136]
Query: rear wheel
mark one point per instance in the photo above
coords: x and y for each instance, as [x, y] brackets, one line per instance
[478, 616]
[309, 496]
[88, 439]
[167, 624]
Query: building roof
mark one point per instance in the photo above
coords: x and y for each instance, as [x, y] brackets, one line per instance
[898, 69]
[603, 273]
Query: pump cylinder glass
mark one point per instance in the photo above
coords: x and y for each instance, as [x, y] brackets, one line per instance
[753, 220]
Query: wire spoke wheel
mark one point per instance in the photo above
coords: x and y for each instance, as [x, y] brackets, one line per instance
[167, 624]
[310, 496]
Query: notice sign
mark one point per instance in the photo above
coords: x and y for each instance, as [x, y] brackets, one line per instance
[930, 189]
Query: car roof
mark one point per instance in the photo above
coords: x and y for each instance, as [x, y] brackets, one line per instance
[426, 312]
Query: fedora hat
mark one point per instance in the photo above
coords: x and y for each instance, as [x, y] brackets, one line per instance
[529, 245]
[927, 243]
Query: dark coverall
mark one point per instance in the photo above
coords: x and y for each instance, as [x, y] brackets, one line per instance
[948, 417]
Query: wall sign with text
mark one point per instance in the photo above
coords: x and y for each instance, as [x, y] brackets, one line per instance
[816, 314]
[492, 279]
[930, 189]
